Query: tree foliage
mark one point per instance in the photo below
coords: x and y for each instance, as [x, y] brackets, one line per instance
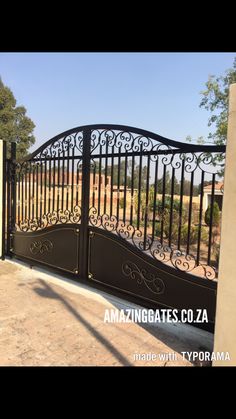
[14, 124]
[215, 215]
[125, 175]
[177, 186]
[215, 100]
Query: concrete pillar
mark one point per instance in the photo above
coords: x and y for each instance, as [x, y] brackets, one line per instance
[225, 331]
[1, 194]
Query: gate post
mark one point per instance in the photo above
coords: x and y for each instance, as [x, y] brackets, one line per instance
[2, 197]
[83, 256]
[13, 186]
[225, 336]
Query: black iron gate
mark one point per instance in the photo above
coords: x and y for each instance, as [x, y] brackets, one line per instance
[122, 207]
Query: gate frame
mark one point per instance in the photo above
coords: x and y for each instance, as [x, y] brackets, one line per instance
[84, 222]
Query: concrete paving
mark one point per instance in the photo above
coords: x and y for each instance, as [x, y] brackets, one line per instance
[47, 320]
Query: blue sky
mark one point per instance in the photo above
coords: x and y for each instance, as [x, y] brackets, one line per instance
[159, 92]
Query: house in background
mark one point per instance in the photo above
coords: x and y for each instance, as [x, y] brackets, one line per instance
[218, 195]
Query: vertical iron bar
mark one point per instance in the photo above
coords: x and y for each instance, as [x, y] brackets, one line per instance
[26, 180]
[154, 200]
[105, 179]
[181, 202]
[132, 191]
[85, 205]
[77, 182]
[72, 178]
[9, 164]
[200, 219]
[211, 220]
[4, 145]
[80, 183]
[99, 180]
[163, 201]
[190, 211]
[13, 195]
[94, 181]
[67, 177]
[118, 191]
[139, 186]
[146, 203]
[33, 180]
[22, 191]
[111, 193]
[41, 190]
[49, 187]
[45, 187]
[53, 187]
[171, 204]
[58, 182]
[29, 196]
[37, 190]
[125, 187]
[18, 197]
[63, 177]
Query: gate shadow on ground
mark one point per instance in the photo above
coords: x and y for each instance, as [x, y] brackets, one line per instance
[161, 333]
[47, 292]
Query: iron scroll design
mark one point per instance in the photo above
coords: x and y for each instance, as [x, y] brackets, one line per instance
[38, 246]
[124, 139]
[49, 219]
[120, 136]
[59, 146]
[142, 276]
[163, 253]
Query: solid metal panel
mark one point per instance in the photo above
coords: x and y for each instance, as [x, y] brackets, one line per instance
[113, 263]
[55, 247]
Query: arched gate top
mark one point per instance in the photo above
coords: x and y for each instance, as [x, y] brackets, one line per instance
[181, 146]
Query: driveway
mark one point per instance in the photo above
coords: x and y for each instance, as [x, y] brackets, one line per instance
[46, 320]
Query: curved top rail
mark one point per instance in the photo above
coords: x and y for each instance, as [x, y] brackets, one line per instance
[125, 128]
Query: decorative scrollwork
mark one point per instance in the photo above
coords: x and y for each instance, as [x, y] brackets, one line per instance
[169, 255]
[181, 260]
[38, 246]
[212, 163]
[50, 219]
[142, 276]
[121, 141]
[106, 140]
[62, 146]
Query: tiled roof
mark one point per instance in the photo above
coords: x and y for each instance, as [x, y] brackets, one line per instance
[218, 186]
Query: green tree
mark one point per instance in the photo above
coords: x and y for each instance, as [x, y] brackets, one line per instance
[14, 124]
[121, 202]
[142, 199]
[215, 216]
[168, 184]
[126, 173]
[215, 100]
